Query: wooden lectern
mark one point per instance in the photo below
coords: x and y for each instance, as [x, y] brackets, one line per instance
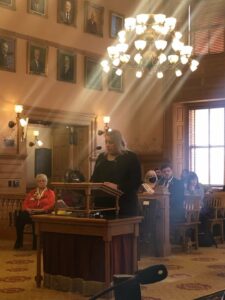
[89, 190]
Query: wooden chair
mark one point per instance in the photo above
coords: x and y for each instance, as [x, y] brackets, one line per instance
[216, 204]
[188, 230]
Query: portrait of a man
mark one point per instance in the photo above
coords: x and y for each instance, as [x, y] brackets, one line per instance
[93, 18]
[37, 7]
[93, 73]
[116, 24]
[37, 57]
[7, 54]
[67, 12]
[66, 66]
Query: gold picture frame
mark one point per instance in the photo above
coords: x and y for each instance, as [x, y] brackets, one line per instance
[115, 82]
[7, 54]
[66, 66]
[11, 4]
[38, 7]
[37, 55]
[67, 12]
[116, 24]
[93, 18]
[92, 73]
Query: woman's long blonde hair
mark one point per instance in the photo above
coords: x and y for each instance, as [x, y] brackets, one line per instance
[117, 139]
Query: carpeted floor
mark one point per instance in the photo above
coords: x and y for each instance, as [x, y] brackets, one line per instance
[191, 275]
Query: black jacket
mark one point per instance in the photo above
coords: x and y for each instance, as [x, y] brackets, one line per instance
[125, 171]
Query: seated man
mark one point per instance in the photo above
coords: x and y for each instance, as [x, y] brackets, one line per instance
[176, 189]
[39, 201]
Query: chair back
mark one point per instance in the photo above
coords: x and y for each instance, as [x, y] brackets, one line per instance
[217, 203]
[192, 205]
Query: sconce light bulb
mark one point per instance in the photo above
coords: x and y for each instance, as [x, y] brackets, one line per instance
[23, 122]
[18, 109]
[106, 119]
[36, 133]
[39, 143]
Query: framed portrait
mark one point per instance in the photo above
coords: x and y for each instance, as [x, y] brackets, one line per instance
[93, 18]
[67, 12]
[8, 4]
[7, 54]
[115, 82]
[38, 7]
[116, 24]
[66, 66]
[92, 73]
[37, 59]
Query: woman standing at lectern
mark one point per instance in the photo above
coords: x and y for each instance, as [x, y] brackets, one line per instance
[118, 168]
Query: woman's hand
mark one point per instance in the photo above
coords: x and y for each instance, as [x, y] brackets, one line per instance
[111, 185]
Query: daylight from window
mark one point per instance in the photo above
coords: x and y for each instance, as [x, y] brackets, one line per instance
[206, 144]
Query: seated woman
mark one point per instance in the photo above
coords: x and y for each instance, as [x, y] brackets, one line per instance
[150, 182]
[194, 187]
[38, 201]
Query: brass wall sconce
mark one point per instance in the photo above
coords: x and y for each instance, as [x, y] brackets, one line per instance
[106, 120]
[37, 142]
[22, 121]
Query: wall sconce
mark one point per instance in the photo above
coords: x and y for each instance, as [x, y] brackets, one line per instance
[36, 141]
[23, 122]
[106, 120]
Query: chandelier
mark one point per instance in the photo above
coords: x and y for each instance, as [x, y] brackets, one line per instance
[150, 43]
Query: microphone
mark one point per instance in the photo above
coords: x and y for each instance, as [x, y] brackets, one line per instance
[130, 288]
[151, 274]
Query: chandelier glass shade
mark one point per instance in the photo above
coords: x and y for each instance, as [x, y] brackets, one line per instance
[150, 43]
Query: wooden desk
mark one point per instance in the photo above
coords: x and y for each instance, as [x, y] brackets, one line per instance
[162, 223]
[102, 229]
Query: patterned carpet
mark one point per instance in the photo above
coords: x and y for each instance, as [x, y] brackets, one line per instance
[191, 275]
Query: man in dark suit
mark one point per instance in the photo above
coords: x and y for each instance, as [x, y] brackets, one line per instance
[4, 58]
[67, 69]
[36, 65]
[67, 15]
[176, 189]
[92, 25]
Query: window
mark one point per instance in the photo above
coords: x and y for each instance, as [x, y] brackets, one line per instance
[208, 26]
[207, 144]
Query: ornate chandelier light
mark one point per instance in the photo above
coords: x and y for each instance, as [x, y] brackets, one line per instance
[150, 42]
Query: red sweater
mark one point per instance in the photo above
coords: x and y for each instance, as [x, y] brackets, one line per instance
[46, 201]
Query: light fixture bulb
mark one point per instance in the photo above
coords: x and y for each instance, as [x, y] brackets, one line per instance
[18, 108]
[159, 18]
[23, 122]
[139, 74]
[178, 72]
[140, 44]
[119, 72]
[159, 75]
[36, 133]
[160, 44]
[129, 24]
[39, 143]
[142, 18]
[106, 119]
[173, 58]
[162, 58]
[138, 58]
